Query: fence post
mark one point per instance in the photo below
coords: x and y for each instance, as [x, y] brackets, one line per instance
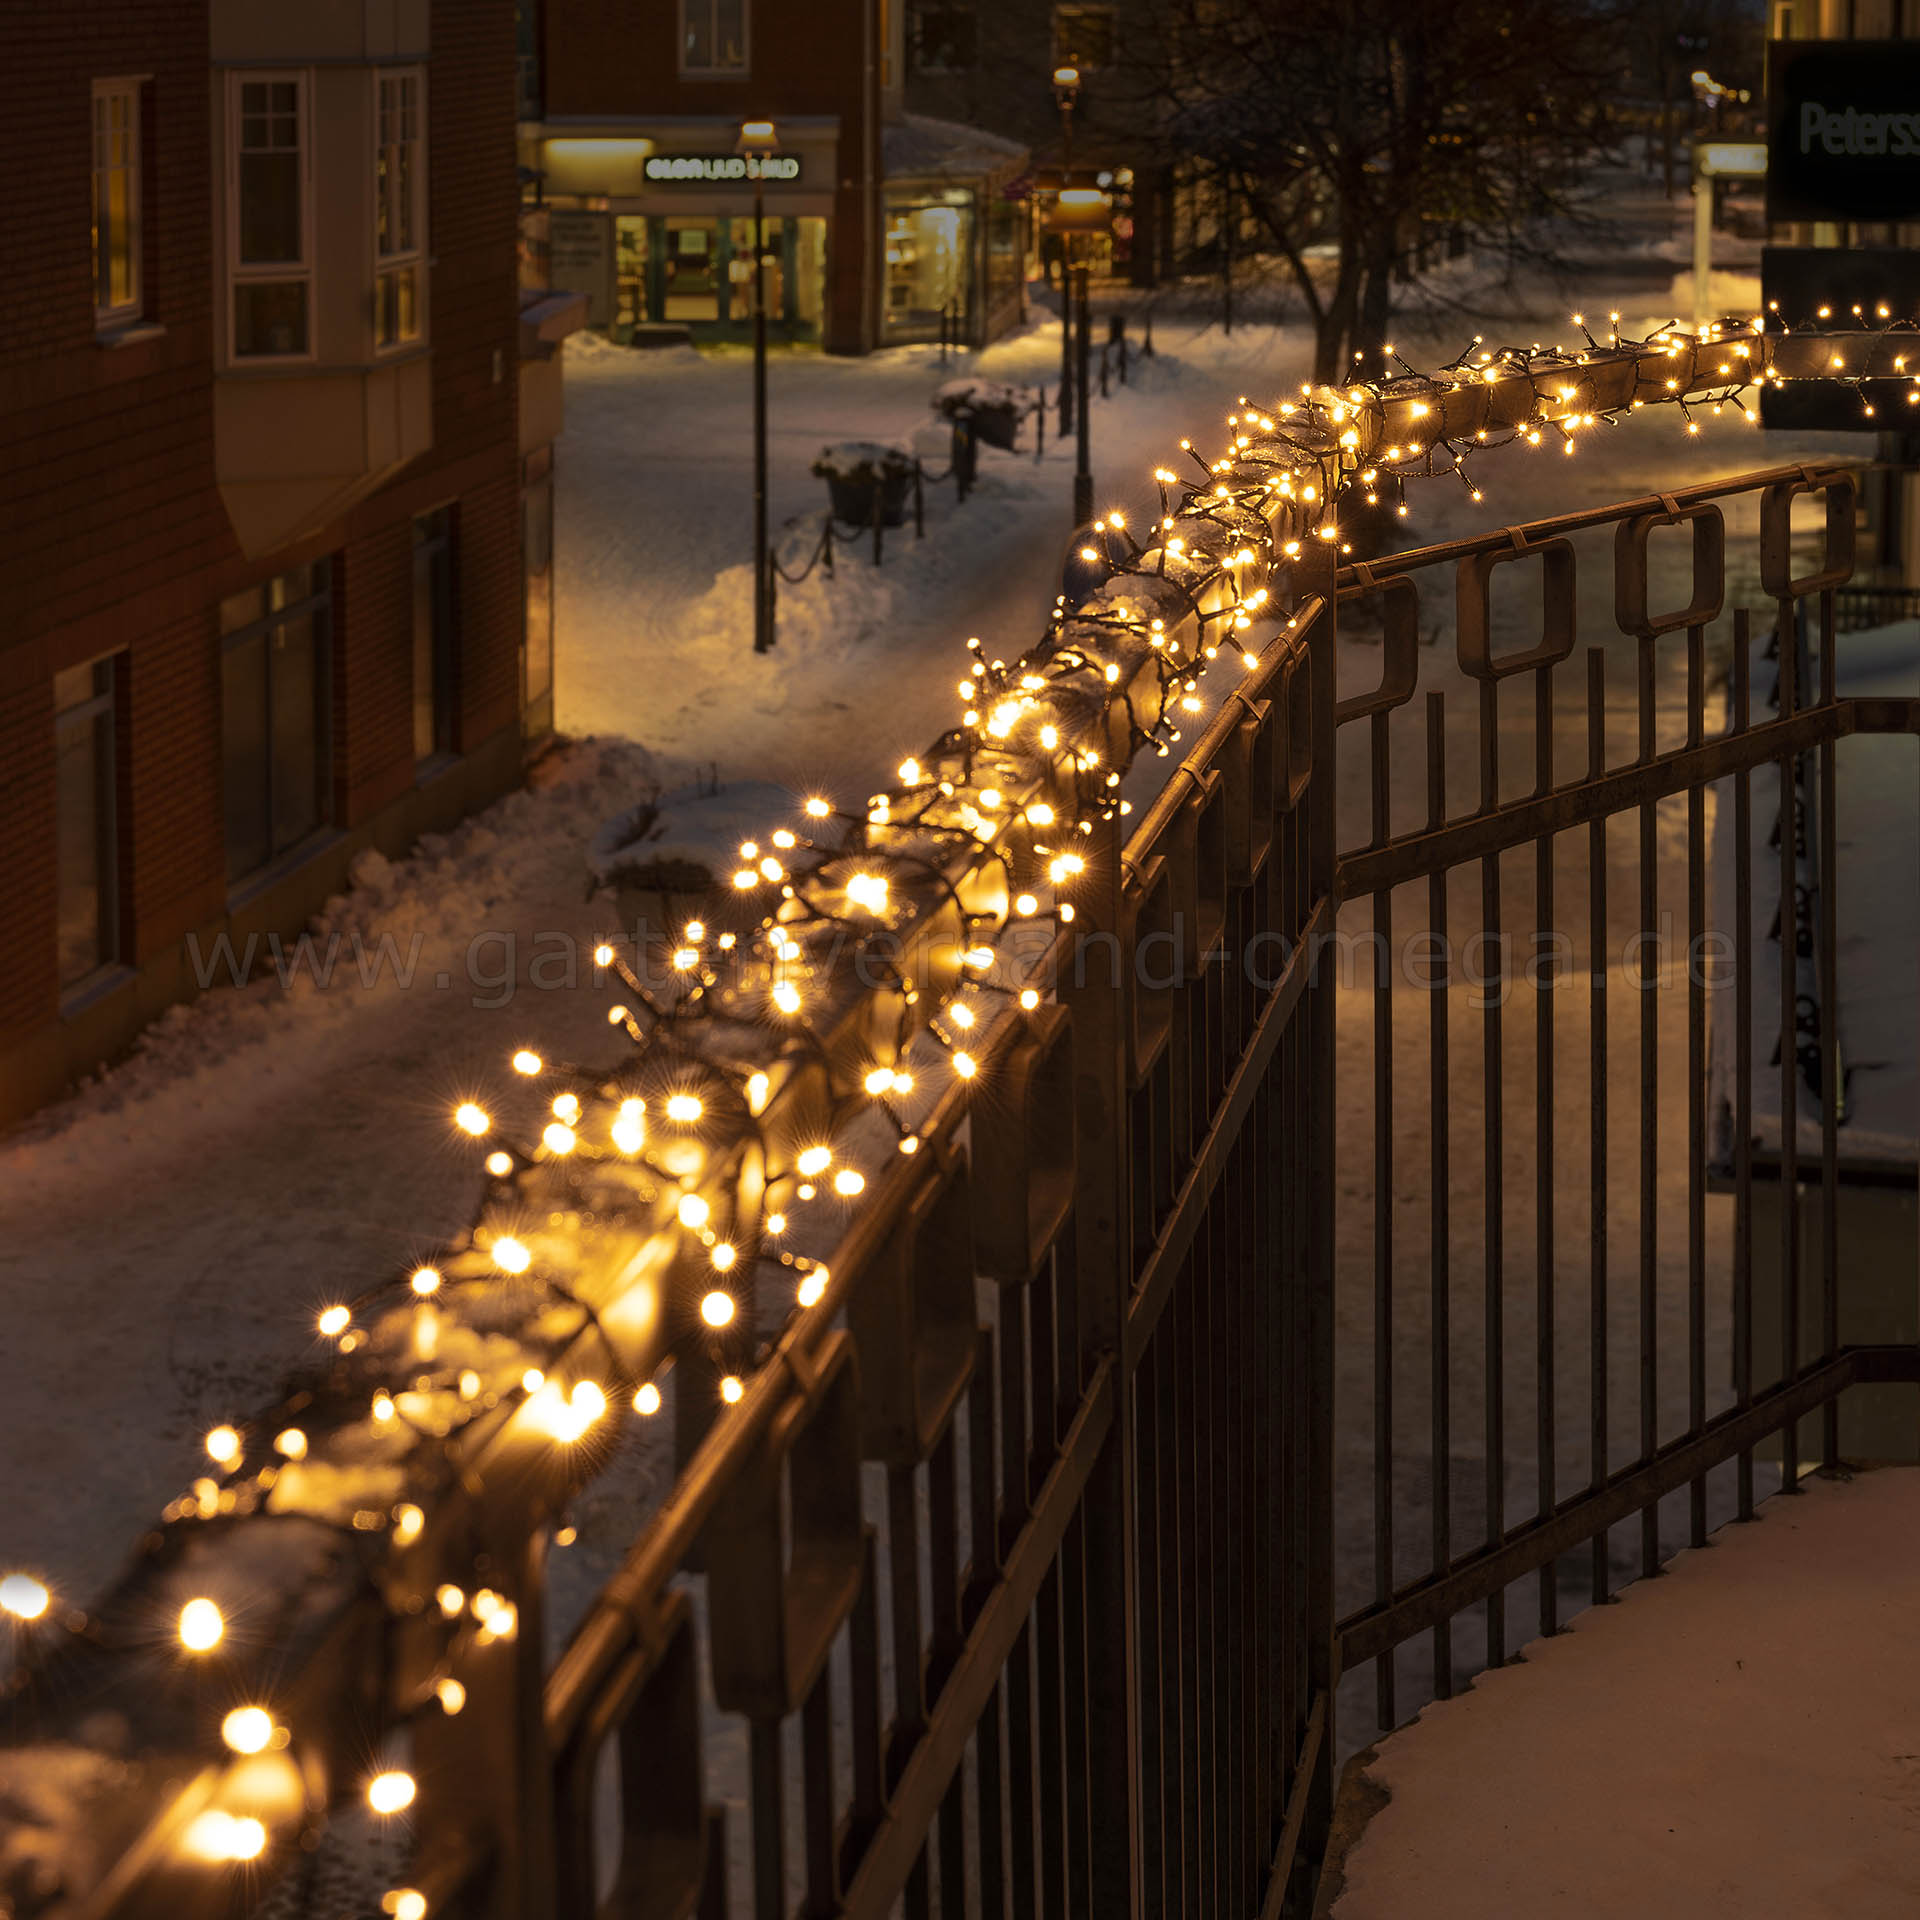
[1317, 1202]
[1040, 423]
[1099, 1004]
[773, 600]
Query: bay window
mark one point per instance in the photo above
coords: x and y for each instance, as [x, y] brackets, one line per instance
[268, 139]
[399, 207]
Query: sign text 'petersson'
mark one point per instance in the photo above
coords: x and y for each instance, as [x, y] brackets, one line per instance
[1844, 128]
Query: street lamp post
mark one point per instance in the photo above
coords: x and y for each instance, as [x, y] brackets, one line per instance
[1066, 91]
[759, 143]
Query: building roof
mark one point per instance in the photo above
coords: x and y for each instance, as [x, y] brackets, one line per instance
[918, 147]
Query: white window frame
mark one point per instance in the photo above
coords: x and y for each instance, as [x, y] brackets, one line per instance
[107, 315]
[302, 270]
[744, 70]
[414, 256]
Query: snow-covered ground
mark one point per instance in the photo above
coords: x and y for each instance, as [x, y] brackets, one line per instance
[173, 1227]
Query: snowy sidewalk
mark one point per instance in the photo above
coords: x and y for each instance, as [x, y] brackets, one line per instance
[1739, 1737]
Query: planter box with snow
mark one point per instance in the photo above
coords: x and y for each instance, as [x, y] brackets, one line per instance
[856, 471]
[994, 408]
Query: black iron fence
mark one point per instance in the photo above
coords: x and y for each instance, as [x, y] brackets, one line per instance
[1175, 1376]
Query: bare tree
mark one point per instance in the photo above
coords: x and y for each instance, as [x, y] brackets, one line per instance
[1374, 124]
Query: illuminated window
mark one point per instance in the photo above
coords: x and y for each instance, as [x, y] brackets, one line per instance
[267, 192]
[713, 36]
[399, 209]
[86, 820]
[1083, 38]
[116, 201]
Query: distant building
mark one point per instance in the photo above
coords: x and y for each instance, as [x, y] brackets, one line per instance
[276, 429]
[881, 226]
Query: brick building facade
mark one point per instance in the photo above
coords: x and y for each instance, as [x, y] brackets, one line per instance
[275, 426]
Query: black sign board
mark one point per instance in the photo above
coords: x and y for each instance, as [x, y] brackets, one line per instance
[1796, 282]
[1843, 120]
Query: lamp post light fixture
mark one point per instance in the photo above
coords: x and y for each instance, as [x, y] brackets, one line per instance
[759, 142]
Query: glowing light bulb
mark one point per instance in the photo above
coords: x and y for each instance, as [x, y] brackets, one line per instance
[980, 957]
[223, 1837]
[471, 1119]
[510, 1256]
[724, 1257]
[391, 1792]
[868, 890]
[848, 1182]
[717, 1309]
[685, 959]
[1029, 999]
[965, 1065]
[694, 1211]
[425, 1280]
[812, 1287]
[629, 1132]
[499, 1165]
[817, 808]
[647, 1399]
[903, 1083]
[201, 1626]
[879, 1081]
[24, 1597]
[526, 1061]
[451, 1695]
[248, 1729]
[408, 1903]
[603, 955]
[731, 1391]
[223, 1445]
[776, 1223]
[335, 1320]
[758, 1087]
[684, 1107]
[291, 1442]
[1025, 904]
[559, 1137]
[960, 1014]
[813, 1160]
[786, 996]
[408, 1523]
[1040, 814]
[383, 1407]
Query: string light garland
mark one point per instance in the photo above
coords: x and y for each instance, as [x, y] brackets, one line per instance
[854, 968]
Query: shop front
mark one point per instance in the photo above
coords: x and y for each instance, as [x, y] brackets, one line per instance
[655, 225]
[955, 232]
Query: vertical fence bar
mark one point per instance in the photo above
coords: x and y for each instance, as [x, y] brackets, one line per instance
[1382, 1222]
[768, 1774]
[1598, 973]
[1787, 649]
[1696, 1082]
[1649, 1122]
[1546, 985]
[1494, 1175]
[1439, 1099]
[1827, 894]
[1743, 1056]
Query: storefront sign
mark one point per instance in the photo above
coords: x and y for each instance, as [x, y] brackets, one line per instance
[723, 166]
[1844, 118]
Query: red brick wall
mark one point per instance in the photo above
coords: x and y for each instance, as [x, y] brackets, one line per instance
[612, 57]
[112, 532]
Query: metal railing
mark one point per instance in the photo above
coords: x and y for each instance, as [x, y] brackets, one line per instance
[1011, 1570]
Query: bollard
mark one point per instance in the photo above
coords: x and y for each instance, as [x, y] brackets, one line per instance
[1040, 423]
[879, 515]
[1146, 344]
[919, 503]
[1103, 373]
